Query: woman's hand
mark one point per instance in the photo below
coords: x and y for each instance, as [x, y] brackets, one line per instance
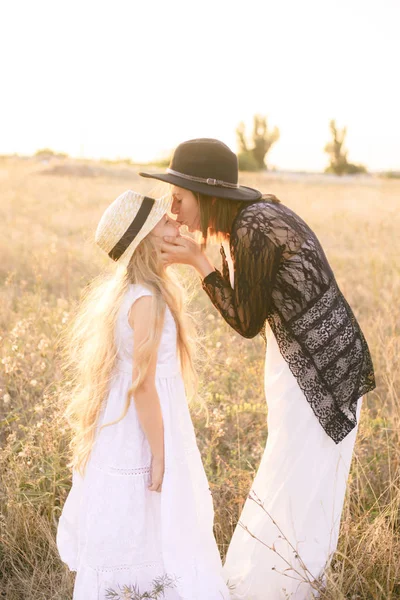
[184, 250]
[157, 474]
[181, 250]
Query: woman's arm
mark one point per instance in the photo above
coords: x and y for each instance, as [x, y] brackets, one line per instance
[185, 251]
[146, 397]
[256, 261]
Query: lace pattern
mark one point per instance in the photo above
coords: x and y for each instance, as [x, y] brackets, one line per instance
[139, 471]
[283, 277]
[128, 567]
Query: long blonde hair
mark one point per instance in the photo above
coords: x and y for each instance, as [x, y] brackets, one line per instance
[89, 350]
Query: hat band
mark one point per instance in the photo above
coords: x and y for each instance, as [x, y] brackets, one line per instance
[209, 181]
[133, 229]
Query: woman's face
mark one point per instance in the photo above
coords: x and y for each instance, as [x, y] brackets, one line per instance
[186, 208]
[165, 227]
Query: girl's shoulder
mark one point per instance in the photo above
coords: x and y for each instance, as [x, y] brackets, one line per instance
[136, 291]
[133, 292]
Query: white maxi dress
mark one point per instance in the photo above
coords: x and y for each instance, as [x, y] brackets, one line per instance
[113, 531]
[295, 503]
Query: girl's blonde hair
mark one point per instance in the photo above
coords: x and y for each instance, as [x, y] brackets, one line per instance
[89, 350]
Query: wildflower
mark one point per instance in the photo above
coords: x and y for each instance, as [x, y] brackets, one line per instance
[7, 364]
[218, 345]
[43, 344]
[33, 382]
[12, 438]
[6, 398]
[61, 302]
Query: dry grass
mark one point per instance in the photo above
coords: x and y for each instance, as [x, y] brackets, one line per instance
[47, 256]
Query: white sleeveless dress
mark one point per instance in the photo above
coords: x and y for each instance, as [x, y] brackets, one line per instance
[113, 531]
[301, 485]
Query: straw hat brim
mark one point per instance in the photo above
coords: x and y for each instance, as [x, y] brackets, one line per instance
[159, 208]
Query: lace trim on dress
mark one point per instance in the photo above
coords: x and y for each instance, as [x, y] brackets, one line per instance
[126, 567]
[117, 471]
[332, 392]
[145, 470]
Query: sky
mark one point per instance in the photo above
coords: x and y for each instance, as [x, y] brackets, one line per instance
[134, 78]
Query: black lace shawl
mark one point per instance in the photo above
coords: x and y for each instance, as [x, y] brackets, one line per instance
[283, 276]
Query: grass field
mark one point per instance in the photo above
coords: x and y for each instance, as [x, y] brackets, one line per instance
[48, 216]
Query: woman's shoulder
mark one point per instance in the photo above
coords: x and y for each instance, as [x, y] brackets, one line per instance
[265, 214]
[255, 215]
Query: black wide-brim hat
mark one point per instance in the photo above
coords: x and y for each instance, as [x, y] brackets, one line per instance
[209, 167]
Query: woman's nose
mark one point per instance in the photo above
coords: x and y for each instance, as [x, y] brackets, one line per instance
[174, 208]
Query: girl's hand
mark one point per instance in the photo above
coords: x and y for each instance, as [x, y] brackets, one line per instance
[157, 474]
[181, 250]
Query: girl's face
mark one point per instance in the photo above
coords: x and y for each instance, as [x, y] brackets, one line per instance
[165, 227]
[186, 208]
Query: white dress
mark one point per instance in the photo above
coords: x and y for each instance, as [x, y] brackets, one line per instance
[300, 485]
[113, 531]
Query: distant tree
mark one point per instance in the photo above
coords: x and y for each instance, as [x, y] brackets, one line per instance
[392, 174]
[161, 162]
[253, 159]
[241, 137]
[247, 162]
[338, 155]
[45, 153]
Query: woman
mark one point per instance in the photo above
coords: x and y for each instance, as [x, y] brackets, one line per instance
[277, 282]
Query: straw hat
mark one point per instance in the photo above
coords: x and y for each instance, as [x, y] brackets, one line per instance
[127, 221]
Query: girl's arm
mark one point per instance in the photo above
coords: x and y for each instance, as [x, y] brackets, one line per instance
[146, 397]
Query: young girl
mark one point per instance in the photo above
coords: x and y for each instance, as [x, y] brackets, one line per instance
[139, 513]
